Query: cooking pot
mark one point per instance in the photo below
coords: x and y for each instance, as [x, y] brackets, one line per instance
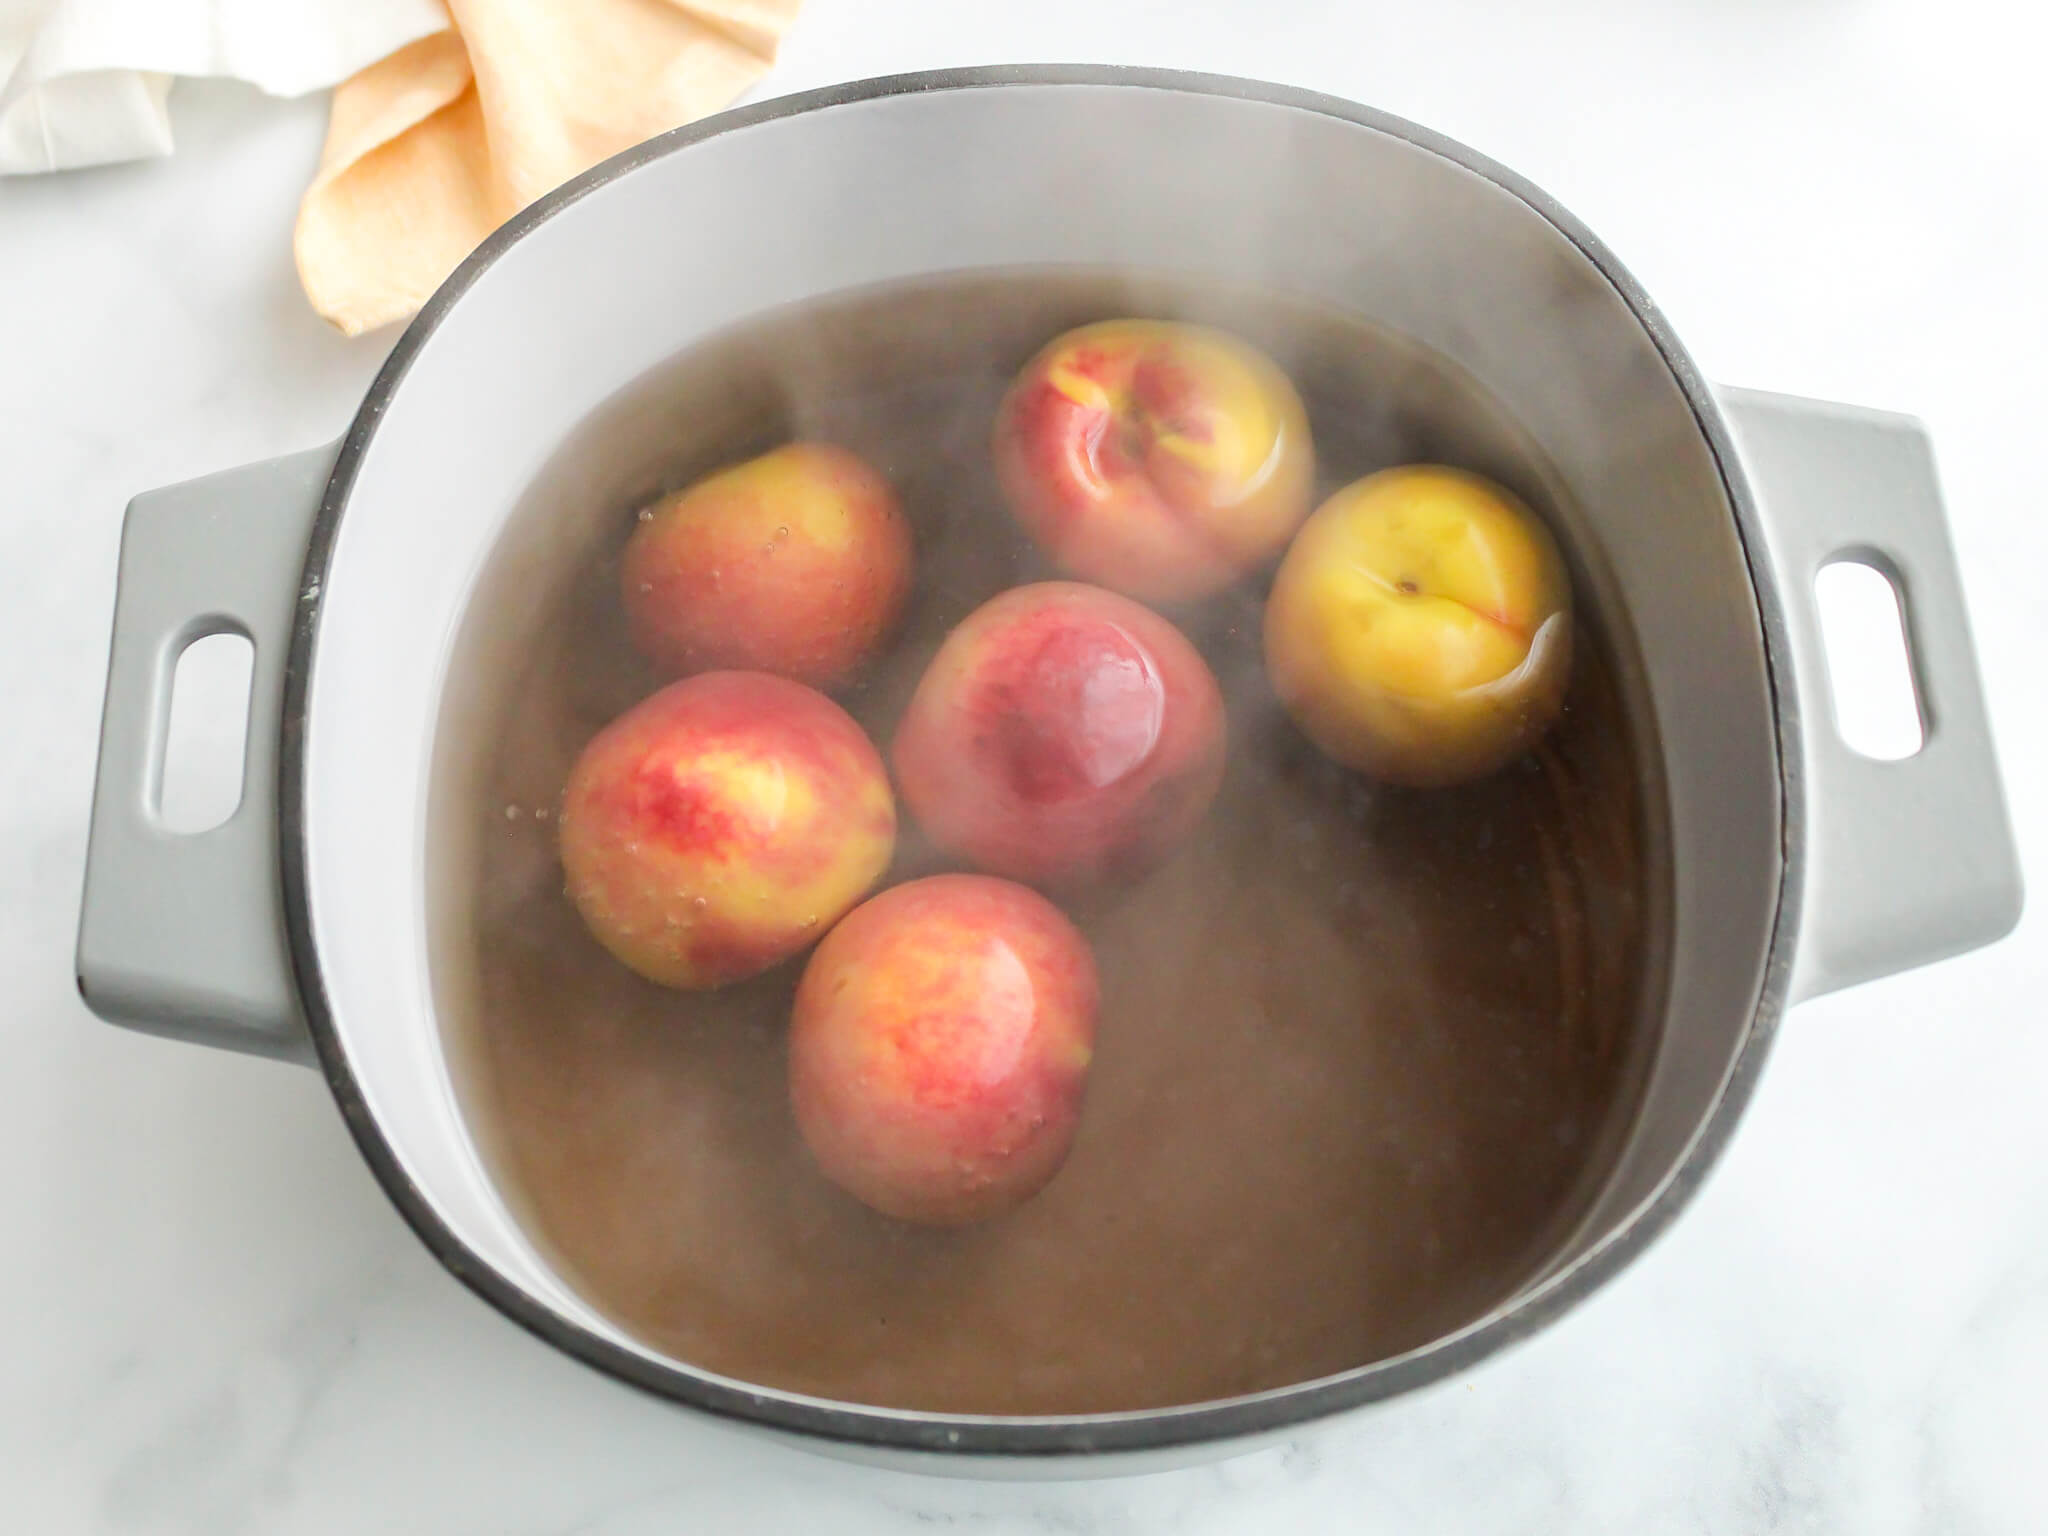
[325, 922]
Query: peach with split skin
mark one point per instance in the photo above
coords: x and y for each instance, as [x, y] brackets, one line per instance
[1420, 628]
[723, 824]
[797, 562]
[939, 1048]
[1159, 459]
[1064, 736]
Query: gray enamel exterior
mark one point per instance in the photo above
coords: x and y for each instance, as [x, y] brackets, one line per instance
[1912, 861]
[1754, 791]
[183, 935]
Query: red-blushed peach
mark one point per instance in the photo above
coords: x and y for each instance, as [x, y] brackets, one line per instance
[1420, 627]
[721, 825]
[939, 1047]
[1160, 459]
[797, 563]
[1063, 735]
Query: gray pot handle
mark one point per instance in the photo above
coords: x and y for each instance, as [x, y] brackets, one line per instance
[183, 934]
[1909, 861]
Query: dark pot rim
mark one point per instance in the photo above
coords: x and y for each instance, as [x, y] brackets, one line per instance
[1152, 1429]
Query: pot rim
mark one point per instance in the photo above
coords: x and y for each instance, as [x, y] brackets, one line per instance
[1258, 1413]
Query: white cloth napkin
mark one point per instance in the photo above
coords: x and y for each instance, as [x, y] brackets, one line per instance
[85, 82]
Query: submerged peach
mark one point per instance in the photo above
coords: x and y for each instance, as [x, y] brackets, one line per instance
[797, 562]
[1062, 735]
[1160, 459]
[939, 1047]
[721, 825]
[1420, 627]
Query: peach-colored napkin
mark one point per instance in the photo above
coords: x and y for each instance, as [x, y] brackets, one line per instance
[431, 149]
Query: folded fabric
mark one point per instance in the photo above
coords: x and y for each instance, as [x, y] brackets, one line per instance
[431, 149]
[85, 82]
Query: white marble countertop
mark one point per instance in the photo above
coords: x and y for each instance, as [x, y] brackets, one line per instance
[214, 1322]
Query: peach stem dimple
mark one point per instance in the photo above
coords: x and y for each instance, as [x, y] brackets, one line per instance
[1408, 586]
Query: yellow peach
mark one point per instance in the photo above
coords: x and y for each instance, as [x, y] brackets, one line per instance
[797, 562]
[939, 1047]
[1420, 626]
[1159, 459]
[722, 825]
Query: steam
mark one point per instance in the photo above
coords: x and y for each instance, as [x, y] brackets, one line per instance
[1325, 1118]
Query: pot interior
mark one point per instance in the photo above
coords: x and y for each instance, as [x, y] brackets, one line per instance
[1365, 1058]
[461, 647]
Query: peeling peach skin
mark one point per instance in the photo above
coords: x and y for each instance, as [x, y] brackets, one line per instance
[1420, 627]
[940, 1045]
[1158, 459]
[797, 562]
[723, 824]
[1064, 736]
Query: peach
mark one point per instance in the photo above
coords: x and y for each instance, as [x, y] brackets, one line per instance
[1420, 627]
[797, 562]
[1160, 459]
[721, 825]
[939, 1047]
[1062, 735]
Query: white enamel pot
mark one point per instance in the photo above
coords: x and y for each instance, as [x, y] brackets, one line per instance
[323, 923]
